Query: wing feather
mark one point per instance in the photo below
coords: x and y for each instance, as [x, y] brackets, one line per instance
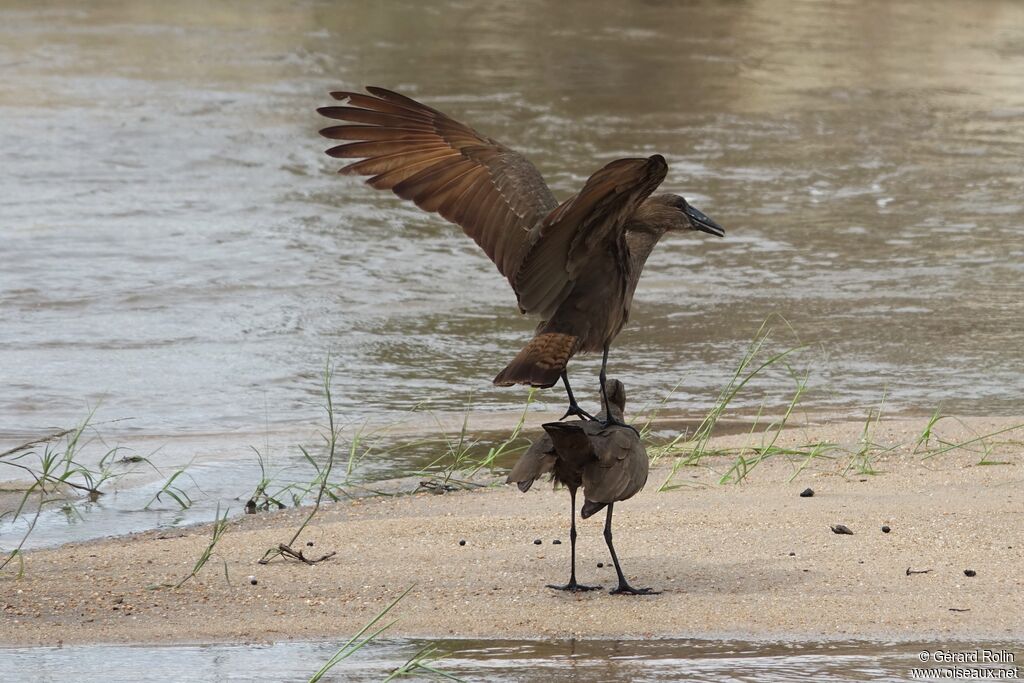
[398, 161]
[376, 148]
[429, 188]
[388, 179]
[452, 207]
[373, 133]
[467, 209]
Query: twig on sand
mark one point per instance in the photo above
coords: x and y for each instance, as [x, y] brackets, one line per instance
[440, 487]
[917, 571]
[287, 551]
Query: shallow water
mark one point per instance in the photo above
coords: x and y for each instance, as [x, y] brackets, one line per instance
[220, 476]
[492, 660]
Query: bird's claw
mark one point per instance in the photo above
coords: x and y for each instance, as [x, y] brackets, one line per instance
[577, 411]
[626, 589]
[574, 587]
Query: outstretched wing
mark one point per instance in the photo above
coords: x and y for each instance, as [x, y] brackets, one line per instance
[493, 193]
[590, 220]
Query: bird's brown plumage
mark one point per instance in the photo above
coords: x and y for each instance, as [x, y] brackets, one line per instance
[609, 462]
[569, 264]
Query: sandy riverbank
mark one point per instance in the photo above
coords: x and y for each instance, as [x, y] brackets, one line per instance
[753, 560]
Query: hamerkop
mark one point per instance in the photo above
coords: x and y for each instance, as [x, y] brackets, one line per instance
[608, 461]
[575, 265]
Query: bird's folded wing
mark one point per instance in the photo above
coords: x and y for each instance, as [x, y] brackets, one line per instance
[614, 444]
[620, 468]
[590, 220]
[493, 193]
[537, 461]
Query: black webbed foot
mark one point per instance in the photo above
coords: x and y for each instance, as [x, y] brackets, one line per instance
[626, 589]
[574, 587]
[574, 409]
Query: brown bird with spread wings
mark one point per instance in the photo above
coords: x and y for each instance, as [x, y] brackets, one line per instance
[575, 265]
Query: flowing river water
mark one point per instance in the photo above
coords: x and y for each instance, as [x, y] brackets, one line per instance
[177, 250]
[177, 253]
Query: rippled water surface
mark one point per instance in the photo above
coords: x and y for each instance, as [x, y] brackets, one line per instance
[177, 250]
[632, 661]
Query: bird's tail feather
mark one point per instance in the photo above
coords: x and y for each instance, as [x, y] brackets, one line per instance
[541, 362]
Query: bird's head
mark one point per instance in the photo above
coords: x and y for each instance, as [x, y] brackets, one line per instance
[616, 396]
[677, 214]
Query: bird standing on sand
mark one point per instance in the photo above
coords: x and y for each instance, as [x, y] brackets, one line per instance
[575, 265]
[609, 462]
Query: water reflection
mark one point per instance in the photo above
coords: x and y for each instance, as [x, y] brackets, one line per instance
[490, 660]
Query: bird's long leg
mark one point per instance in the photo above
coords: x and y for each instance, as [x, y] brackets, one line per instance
[574, 408]
[623, 587]
[572, 585]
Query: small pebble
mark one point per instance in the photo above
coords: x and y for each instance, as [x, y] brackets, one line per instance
[792, 554]
[537, 541]
[807, 493]
[886, 529]
[252, 580]
[970, 572]
[462, 542]
[556, 542]
[600, 564]
[841, 529]
[309, 544]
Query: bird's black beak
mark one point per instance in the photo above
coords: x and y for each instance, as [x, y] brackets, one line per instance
[701, 222]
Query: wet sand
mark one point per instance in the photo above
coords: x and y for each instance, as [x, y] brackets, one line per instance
[753, 560]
